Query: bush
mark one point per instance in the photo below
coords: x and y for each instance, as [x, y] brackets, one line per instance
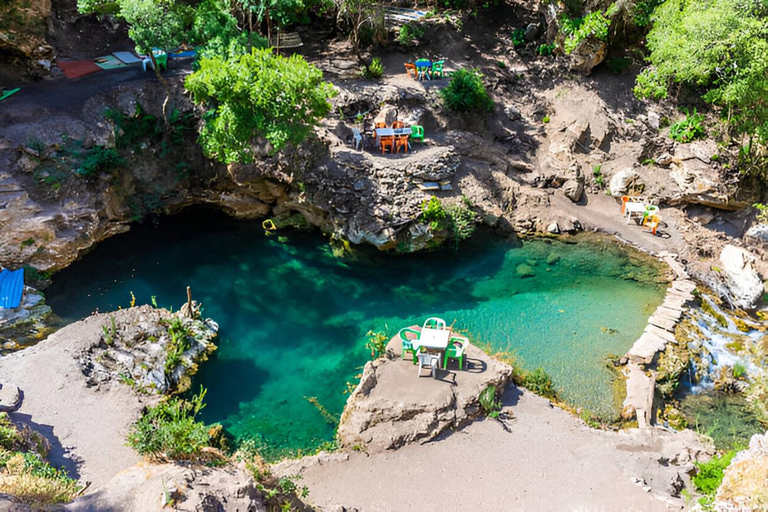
[546, 49]
[9, 436]
[689, 128]
[377, 343]
[169, 430]
[374, 70]
[539, 382]
[710, 476]
[466, 93]
[518, 37]
[594, 24]
[98, 159]
[433, 213]
[409, 33]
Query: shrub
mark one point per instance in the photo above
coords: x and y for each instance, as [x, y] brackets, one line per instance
[433, 213]
[689, 128]
[490, 405]
[762, 212]
[739, 371]
[9, 436]
[710, 476]
[377, 343]
[409, 33]
[374, 70]
[463, 221]
[546, 49]
[178, 344]
[33, 481]
[518, 37]
[466, 93]
[594, 24]
[98, 159]
[169, 429]
[539, 382]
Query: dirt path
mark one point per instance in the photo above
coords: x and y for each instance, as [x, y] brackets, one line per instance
[549, 461]
[598, 211]
[87, 427]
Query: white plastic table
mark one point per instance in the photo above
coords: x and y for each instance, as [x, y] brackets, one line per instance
[632, 207]
[434, 339]
[390, 132]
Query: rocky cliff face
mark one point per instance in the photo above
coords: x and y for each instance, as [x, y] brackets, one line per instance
[745, 482]
[22, 35]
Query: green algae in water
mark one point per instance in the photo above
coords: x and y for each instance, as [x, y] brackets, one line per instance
[727, 418]
[293, 317]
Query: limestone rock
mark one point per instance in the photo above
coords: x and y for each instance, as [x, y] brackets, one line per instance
[742, 280]
[10, 397]
[623, 181]
[553, 228]
[745, 486]
[574, 189]
[393, 406]
[387, 115]
[589, 53]
[512, 112]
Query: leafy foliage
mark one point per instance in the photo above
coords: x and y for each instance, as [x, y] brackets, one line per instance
[433, 213]
[98, 6]
[463, 221]
[594, 24]
[178, 344]
[155, 23]
[490, 405]
[377, 343]
[720, 45]
[466, 92]
[546, 49]
[539, 382]
[409, 33]
[257, 94]
[169, 429]
[375, 69]
[710, 475]
[518, 37]
[9, 436]
[762, 212]
[98, 159]
[689, 128]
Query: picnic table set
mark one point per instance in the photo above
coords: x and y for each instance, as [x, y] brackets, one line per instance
[635, 207]
[433, 345]
[395, 137]
[425, 69]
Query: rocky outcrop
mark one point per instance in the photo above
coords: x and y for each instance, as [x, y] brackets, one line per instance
[22, 34]
[590, 52]
[26, 324]
[393, 406]
[745, 481]
[623, 182]
[149, 486]
[155, 352]
[743, 286]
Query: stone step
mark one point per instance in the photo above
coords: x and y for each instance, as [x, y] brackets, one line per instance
[663, 322]
[665, 335]
[684, 284]
[640, 388]
[646, 347]
[671, 312]
[676, 266]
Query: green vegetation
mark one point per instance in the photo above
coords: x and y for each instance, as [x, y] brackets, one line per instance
[459, 220]
[258, 94]
[490, 405]
[619, 64]
[598, 175]
[25, 474]
[689, 128]
[518, 37]
[110, 332]
[409, 33]
[539, 382]
[546, 49]
[377, 343]
[279, 493]
[762, 212]
[466, 93]
[739, 371]
[717, 45]
[169, 430]
[710, 476]
[374, 70]
[433, 213]
[594, 24]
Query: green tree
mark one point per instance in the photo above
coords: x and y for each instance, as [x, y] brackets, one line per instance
[721, 45]
[257, 94]
[466, 93]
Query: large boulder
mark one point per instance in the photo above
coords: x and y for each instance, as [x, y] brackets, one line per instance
[744, 286]
[623, 181]
[393, 405]
[589, 53]
[574, 189]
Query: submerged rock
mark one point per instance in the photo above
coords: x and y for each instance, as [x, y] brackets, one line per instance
[393, 406]
[524, 270]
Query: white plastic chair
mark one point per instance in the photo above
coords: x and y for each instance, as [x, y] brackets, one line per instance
[358, 139]
[427, 359]
[434, 323]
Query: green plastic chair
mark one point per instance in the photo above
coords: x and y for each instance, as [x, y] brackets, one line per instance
[408, 342]
[455, 350]
[434, 323]
[161, 57]
[417, 132]
[649, 211]
[437, 69]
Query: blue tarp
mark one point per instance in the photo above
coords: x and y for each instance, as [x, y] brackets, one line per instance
[11, 288]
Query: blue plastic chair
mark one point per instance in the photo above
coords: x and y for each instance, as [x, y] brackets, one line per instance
[423, 68]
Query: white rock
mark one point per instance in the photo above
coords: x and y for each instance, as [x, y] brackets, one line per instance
[622, 181]
[574, 189]
[743, 281]
[553, 228]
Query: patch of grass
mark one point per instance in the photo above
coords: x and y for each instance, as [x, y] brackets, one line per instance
[539, 382]
[433, 213]
[178, 344]
[280, 493]
[110, 332]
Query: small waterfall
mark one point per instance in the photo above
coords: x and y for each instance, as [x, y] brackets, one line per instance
[711, 346]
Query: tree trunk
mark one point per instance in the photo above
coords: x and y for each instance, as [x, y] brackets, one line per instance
[250, 29]
[164, 84]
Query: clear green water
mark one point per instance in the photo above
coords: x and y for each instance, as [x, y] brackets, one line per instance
[293, 317]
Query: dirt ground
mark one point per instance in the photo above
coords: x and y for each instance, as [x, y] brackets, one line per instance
[548, 461]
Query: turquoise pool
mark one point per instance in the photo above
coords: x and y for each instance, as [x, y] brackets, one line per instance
[293, 317]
